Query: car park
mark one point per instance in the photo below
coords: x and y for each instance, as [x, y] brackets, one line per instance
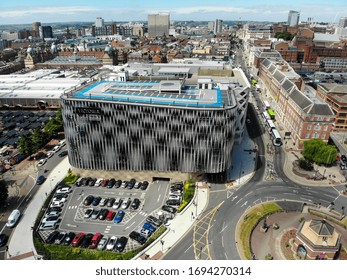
[121, 243]
[60, 238]
[3, 239]
[52, 237]
[111, 243]
[149, 226]
[96, 201]
[86, 240]
[77, 239]
[56, 148]
[96, 213]
[137, 237]
[110, 216]
[135, 204]
[68, 238]
[144, 185]
[169, 209]
[117, 203]
[87, 213]
[119, 216]
[103, 214]
[63, 154]
[125, 203]
[95, 240]
[40, 180]
[153, 220]
[98, 182]
[102, 243]
[88, 200]
[110, 202]
[42, 162]
[103, 201]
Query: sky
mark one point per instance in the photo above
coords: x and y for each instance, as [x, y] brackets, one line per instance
[49, 11]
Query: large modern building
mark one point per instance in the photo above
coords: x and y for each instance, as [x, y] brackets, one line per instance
[164, 126]
[158, 24]
[293, 18]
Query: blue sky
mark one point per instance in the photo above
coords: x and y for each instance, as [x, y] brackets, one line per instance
[20, 11]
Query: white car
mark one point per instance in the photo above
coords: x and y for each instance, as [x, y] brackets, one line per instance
[57, 204]
[50, 154]
[64, 190]
[42, 162]
[174, 197]
[62, 143]
[56, 149]
[102, 243]
[111, 243]
[126, 203]
[61, 199]
[98, 182]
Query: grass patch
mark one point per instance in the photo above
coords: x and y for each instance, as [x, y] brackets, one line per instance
[70, 179]
[58, 252]
[188, 194]
[342, 223]
[250, 223]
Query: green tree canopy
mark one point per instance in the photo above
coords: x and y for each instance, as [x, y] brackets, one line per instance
[26, 146]
[54, 125]
[284, 35]
[38, 138]
[316, 150]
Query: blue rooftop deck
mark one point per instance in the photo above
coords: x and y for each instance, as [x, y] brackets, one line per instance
[154, 92]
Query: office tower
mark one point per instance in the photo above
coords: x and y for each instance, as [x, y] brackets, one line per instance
[293, 18]
[210, 26]
[343, 22]
[45, 32]
[36, 26]
[158, 24]
[99, 22]
[218, 26]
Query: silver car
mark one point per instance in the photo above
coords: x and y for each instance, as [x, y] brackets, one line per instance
[102, 243]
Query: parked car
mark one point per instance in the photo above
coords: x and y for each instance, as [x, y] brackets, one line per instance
[102, 243]
[137, 237]
[51, 238]
[117, 203]
[135, 204]
[103, 201]
[103, 214]
[144, 185]
[111, 183]
[87, 213]
[98, 182]
[169, 209]
[88, 200]
[110, 216]
[149, 226]
[121, 243]
[51, 214]
[124, 184]
[145, 232]
[49, 154]
[42, 162]
[59, 199]
[57, 204]
[110, 202]
[3, 239]
[63, 154]
[96, 201]
[95, 240]
[153, 220]
[125, 203]
[50, 225]
[40, 180]
[119, 216]
[78, 183]
[68, 238]
[86, 240]
[64, 190]
[131, 184]
[137, 185]
[117, 184]
[91, 182]
[104, 182]
[60, 238]
[51, 219]
[174, 197]
[56, 148]
[96, 213]
[173, 202]
[77, 239]
[111, 243]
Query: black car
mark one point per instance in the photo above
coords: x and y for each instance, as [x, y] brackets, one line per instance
[135, 204]
[51, 238]
[144, 185]
[96, 201]
[169, 209]
[91, 182]
[131, 183]
[53, 209]
[40, 180]
[60, 238]
[103, 214]
[138, 237]
[86, 240]
[3, 239]
[118, 184]
[84, 181]
[173, 202]
[68, 238]
[61, 195]
[110, 202]
[88, 200]
[61, 186]
[121, 243]
[63, 154]
[111, 183]
[344, 158]
[153, 220]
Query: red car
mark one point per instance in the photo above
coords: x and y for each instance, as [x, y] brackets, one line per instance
[77, 240]
[110, 216]
[104, 183]
[95, 240]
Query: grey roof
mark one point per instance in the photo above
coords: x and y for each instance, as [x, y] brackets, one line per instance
[272, 68]
[319, 109]
[335, 88]
[266, 63]
[322, 227]
[300, 99]
[288, 85]
[279, 76]
[322, 37]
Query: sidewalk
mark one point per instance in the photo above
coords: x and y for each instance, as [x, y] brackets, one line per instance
[21, 243]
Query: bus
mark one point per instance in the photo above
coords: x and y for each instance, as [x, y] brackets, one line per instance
[266, 105]
[271, 114]
[270, 124]
[276, 138]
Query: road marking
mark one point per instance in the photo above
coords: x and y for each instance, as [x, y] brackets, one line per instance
[229, 194]
[69, 225]
[234, 198]
[159, 198]
[244, 204]
[223, 228]
[222, 242]
[188, 248]
[225, 254]
[248, 194]
[130, 225]
[238, 200]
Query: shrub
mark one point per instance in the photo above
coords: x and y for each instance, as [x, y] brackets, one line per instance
[188, 194]
[70, 179]
[305, 164]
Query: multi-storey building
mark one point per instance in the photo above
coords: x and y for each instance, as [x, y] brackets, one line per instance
[167, 125]
[301, 113]
[218, 26]
[293, 18]
[158, 24]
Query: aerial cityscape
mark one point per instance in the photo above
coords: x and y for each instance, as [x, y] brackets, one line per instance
[173, 131]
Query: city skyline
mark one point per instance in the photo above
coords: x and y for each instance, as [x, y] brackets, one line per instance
[22, 12]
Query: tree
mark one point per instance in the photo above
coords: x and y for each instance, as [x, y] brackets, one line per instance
[26, 146]
[316, 150]
[38, 138]
[284, 35]
[3, 192]
[54, 125]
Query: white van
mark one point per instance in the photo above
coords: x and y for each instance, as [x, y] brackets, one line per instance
[13, 218]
